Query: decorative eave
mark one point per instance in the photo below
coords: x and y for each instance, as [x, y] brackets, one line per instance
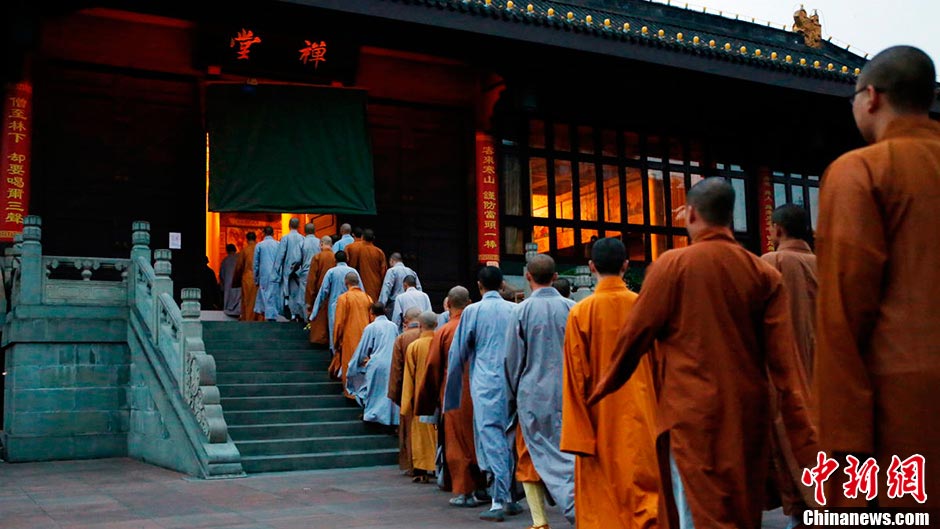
[631, 36]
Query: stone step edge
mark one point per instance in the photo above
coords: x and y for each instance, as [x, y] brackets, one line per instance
[288, 410]
[377, 436]
[380, 451]
[295, 424]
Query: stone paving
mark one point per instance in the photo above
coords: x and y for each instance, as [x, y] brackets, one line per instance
[127, 494]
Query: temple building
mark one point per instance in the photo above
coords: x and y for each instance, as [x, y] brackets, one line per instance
[459, 130]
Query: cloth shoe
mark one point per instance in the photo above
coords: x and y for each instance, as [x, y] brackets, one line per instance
[513, 508]
[498, 515]
[464, 500]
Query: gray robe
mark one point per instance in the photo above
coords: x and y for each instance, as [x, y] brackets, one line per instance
[534, 360]
[369, 384]
[334, 285]
[269, 301]
[392, 286]
[287, 266]
[308, 250]
[480, 343]
[231, 295]
[406, 300]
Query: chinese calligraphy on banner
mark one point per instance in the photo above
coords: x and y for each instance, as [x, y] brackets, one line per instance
[14, 188]
[765, 203]
[487, 202]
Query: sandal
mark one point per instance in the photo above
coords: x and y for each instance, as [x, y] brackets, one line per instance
[465, 500]
[420, 479]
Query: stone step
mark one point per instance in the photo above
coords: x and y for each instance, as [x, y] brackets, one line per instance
[286, 403]
[257, 432]
[312, 445]
[271, 364]
[311, 415]
[262, 344]
[345, 459]
[274, 390]
[270, 377]
[271, 353]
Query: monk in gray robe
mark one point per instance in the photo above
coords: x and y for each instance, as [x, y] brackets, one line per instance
[287, 267]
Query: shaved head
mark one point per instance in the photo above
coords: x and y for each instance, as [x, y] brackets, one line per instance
[294, 223]
[713, 200]
[368, 234]
[251, 236]
[395, 257]
[608, 255]
[428, 321]
[906, 75]
[340, 256]
[542, 269]
[563, 286]
[345, 229]
[326, 241]
[793, 220]
[490, 277]
[458, 298]
[310, 229]
[409, 281]
[378, 309]
[412, 314]
[352, 280]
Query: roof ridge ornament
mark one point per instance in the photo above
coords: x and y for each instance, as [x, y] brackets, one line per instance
[809, 26]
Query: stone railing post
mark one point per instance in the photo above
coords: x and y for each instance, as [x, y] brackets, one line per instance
[192, 327]
[199, 387]
[162, 284]
[31, 271]
[140, 237]
[11, 260]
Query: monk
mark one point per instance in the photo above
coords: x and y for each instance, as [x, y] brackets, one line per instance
[791, 236]
[395, 275]
[345, 239]
[368, 370]
[480, 347]
[308, 250]
[459, 452]
[332, 287]
[369, 260]
[395, 379]
[352, 316]
[411, 297]
[877, 366]
[720, 320]
[534, 360]
[269, 302]
[245, 277]
[319, 266]
[794, 259]
[287, 265]
[616, 476]
[423, 434]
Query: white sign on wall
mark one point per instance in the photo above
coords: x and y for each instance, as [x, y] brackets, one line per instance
[176, 240]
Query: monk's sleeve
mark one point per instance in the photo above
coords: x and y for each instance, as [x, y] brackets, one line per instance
[397, 370]
[407, 398]
[397, 315]
[428, 390]
[577, 430]
[340, 320]
[787, 376]
[387, 286]
[515, 358]
[647, 317]
[456, 359]
[280, 257]
[311, 284]
[321, 296]
[852, 256]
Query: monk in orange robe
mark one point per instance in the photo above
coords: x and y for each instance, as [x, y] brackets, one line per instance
[616, 478]
[795, 261]
[244, 277]
[459, 451]
[396, 377]
[878, 328]
[319, 266]
[353, 313]
[423, 434]
[720, 319]
[369, 260]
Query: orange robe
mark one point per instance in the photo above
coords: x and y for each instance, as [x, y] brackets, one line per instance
[352, 249]
[319, 266]
[795, 261]
[352, 315]
[423, 436]
[395, 379]
[369, 260]
[459, 451]
[721, 322]
[244, 276]
[878, 335]
[797, 264]
[616, 478]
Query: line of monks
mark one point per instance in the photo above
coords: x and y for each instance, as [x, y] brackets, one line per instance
[704, 400]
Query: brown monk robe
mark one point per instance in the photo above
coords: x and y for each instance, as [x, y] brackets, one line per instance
[721, 322]
[616, 478]
[459, 451]
[369, 260]
[395, 379]
[353, 313]
[319, 266]
[878, 333]
[795, 261]
[423, 436]
[244, 277]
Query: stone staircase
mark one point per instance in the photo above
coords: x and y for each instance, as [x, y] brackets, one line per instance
[282, 410]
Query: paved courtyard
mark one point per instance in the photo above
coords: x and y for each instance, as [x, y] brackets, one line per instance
[126, 494]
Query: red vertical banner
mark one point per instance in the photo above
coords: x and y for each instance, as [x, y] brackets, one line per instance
[14, 165]
[765, 203]
[487, 201]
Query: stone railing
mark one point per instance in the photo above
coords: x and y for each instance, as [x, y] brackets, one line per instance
[174, 332]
